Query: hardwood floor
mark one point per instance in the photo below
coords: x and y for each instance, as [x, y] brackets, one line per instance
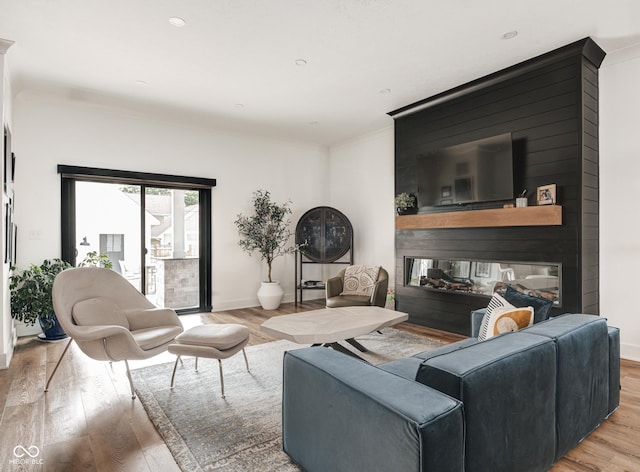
[88, 422]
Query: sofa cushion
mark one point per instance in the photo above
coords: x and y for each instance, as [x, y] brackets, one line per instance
[496, 301]
[98, 311]
[150, 338]
[406, 367]
[360, 280]
[506, 384]
[614, 369]
[447, 348]
[541, 307]
[582, 398]
[348, 300]
[341, 414]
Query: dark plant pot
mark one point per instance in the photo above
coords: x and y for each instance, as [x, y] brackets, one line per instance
[54, 332]
[407, 211]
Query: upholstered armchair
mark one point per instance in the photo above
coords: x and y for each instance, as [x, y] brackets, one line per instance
[336, 286]
[109, 319]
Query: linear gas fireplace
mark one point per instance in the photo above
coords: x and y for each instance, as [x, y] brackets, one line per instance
[485, 278]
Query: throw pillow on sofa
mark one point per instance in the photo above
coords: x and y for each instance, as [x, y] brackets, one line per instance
[505, 320]
[541, 307]
[496, 302]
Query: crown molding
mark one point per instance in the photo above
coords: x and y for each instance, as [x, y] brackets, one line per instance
[5, 44]
[586, 47]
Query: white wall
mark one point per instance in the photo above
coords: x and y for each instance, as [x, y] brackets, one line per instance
[6, 325]
[619, 178]
[361, 175]
[51, 128]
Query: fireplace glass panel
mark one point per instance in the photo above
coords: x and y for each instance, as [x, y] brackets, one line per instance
[484, 278]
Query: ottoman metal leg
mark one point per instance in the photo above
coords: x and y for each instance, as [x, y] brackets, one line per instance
[174, 370]
[221, 378]
[246, 362]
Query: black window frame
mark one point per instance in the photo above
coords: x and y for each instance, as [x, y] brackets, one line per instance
[69, 175]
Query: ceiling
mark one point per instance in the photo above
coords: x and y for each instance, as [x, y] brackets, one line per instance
[233, 63]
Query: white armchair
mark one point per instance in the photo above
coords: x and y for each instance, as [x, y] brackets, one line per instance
[109, 319]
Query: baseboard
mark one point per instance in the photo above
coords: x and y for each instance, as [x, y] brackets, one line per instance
[23, 329]
[630, 352]
[234, 304]
[5, 359]
[252, 302]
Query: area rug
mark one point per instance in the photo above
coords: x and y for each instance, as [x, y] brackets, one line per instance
[241, 432]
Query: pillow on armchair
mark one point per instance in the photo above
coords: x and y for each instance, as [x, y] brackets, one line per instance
[360, 280]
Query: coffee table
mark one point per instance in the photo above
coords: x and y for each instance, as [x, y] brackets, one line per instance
[328, 326]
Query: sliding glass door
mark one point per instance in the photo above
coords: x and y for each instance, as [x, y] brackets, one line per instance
[157, 237]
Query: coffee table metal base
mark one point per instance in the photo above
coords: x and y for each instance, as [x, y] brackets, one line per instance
[327, 327]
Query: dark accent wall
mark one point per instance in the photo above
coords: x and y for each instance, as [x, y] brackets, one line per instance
[550, 105]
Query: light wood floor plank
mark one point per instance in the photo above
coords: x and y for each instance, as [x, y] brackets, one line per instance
[74, 455]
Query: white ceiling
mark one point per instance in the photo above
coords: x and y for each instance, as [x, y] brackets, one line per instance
[234, 60]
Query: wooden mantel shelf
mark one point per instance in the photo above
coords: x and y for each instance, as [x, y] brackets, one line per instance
[548, 215]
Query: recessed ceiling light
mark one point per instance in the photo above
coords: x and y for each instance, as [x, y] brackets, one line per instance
[301, 62]
[177, 21]
[385, 90]
[510, 34]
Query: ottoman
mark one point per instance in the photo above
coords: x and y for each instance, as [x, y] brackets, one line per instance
[213, 341]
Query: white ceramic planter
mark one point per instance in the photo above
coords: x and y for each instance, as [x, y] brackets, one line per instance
[270, 295]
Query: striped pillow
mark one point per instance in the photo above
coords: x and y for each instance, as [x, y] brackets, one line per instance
[496, 302]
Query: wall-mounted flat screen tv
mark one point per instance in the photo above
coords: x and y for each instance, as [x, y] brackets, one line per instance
[476, 171]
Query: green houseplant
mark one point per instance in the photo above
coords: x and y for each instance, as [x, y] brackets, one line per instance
[405, 203]
[267, 233]
[31, 296]
[95, 259]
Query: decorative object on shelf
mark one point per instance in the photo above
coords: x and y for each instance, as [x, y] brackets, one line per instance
[267, 232]
[31, 297]
[325, 236]
[312, 284]
[406, 204]
[522, 200]
[546, 195]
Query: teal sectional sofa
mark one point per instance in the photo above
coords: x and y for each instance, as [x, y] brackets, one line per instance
[516, 402]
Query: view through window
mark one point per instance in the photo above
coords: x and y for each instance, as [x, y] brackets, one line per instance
[153, 242]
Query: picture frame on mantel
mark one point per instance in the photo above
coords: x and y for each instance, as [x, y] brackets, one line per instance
[546, 194]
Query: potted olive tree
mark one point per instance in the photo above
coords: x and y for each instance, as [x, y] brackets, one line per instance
[267, 233]
[31, 297]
